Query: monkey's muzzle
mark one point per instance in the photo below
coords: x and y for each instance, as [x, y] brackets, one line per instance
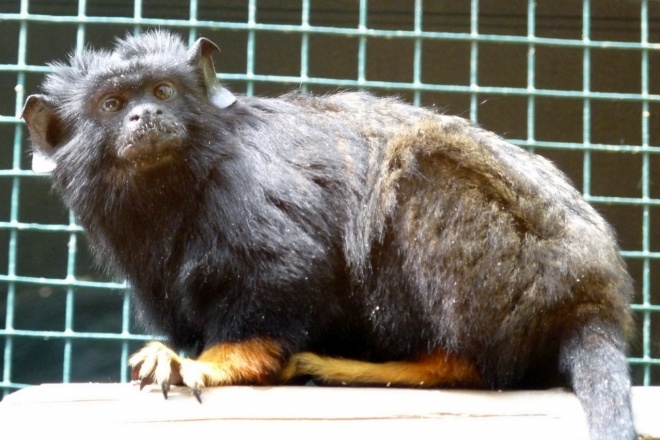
[151, 142]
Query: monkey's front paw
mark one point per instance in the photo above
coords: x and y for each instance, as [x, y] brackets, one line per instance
[158, 364]
[256, 361]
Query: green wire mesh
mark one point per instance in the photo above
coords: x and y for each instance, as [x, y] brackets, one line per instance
[464, 30]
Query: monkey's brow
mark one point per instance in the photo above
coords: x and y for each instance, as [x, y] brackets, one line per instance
[131, 69]
[124, 79]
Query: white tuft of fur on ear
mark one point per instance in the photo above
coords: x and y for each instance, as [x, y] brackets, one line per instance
[223, 98]
[42, 163]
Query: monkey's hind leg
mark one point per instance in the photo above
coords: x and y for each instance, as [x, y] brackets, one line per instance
[257, 362]
[437, 369]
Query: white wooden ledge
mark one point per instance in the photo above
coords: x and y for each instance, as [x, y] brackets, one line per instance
[85, 411]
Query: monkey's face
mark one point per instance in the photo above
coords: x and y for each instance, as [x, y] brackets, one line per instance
[150, 104]
[144, 119]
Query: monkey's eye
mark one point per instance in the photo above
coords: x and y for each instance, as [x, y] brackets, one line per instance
[163, 91]
[113, 103]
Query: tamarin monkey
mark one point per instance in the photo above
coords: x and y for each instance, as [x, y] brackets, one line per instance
[345, 237]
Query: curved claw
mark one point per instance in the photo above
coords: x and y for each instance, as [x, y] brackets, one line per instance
[165, 387]
[197, 393]
[144, 382]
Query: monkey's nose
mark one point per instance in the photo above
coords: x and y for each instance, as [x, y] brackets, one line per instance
[145, 111]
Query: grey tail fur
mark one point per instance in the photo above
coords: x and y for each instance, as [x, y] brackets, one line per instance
[592, 357]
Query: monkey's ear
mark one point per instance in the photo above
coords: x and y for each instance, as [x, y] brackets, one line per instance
[44, 128]
[200, 55]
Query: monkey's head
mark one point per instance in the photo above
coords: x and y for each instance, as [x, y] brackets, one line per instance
[138, 108]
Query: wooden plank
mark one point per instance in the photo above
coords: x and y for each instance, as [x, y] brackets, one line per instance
[83, 411]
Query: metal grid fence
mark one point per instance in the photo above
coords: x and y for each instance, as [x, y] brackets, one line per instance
[26, 236]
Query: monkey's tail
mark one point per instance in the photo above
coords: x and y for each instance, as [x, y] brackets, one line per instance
[432, 370]
[592, 357]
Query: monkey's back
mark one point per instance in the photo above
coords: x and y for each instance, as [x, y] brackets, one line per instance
[463, 241]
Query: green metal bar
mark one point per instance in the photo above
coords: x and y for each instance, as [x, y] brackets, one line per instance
[362, 47]
[417, 54]
[646, 214]
[636, 149]
[192, 31]
[71, 251]
[531, 69]
[304, 46]
[372, 33]
[645, 308]
[644, 361]
[249, 70]
[19, 173]
[126, 334]
[61, 283]
[80, 31]
[12, 386]
[75, 335]
[15, 225]
[474, 59]
[586, 105]
[14, 205]
[622, 201]
[69, 306]
[137, 20]
[445, 88]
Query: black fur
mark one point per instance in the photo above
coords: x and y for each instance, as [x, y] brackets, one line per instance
[346, 225]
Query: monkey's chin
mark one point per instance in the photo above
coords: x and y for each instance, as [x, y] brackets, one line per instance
[147, 163]
[147, 155]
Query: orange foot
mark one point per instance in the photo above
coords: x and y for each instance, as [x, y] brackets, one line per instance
[257, 362]
[437, 369]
